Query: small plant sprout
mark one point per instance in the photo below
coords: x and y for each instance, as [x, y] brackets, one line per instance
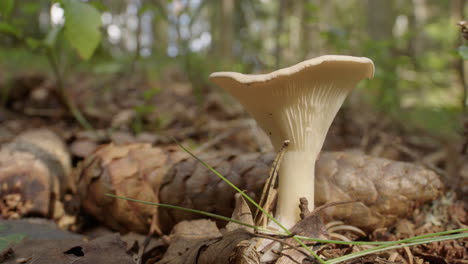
[298, 104]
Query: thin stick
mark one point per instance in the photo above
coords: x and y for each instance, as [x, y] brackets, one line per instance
[409, 254]
[324, 206]
[281, 240]
[271, 181]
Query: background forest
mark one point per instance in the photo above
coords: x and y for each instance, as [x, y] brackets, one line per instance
[413, 44]
[87, 75]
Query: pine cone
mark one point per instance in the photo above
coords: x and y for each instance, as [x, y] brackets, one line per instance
[190, 184]
[384, 190]
[128, 171]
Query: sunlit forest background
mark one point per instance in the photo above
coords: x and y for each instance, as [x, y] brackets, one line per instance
[114, 46]
[98, 96]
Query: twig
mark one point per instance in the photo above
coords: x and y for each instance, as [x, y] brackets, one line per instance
[410, 255]
[333, 223]
[271, 181]
[216, 140]
[393, 257]
[347, 227]
[324, 206]
[281, 240]
[339, 236]
[418, 159]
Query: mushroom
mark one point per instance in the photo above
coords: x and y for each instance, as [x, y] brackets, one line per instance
[297, 103]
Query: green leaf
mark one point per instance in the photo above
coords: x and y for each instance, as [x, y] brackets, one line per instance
[33, 43]
[99, 5]
[82, 22]
[107, 68]
[9, 29]
[148, 94]
[463, 52]
[30, 8]
[6, 7]
[144, 109]
[146, 7]
[440, 122]
[6, 241]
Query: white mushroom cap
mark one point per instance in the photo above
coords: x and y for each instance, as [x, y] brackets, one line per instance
[309, 92]
[297, 103]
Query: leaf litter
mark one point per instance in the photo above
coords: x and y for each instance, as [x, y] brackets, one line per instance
[199, 124]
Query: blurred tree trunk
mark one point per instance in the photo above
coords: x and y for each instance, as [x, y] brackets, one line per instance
[215, 32]
[293, 52]
[279, 32]
[222, 29]
[418, 20]
[325, 18]
[381, 16]
[160, 33]
[306, 30]
[457, 14]
[160, 28]
[227, 27]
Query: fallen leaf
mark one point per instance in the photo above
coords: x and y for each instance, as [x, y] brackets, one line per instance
[107, 249]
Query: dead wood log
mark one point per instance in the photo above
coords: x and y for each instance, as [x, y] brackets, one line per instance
[34, 175]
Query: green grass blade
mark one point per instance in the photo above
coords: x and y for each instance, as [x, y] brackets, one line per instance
[220, 217]
[384, 242]
[248, 198]
[390, 247]
[7, 240]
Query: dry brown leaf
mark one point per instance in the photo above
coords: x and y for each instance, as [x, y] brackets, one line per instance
[245, 252]
[199, 241]
[106, 249]
[311, 225]
[241, 213]
[83, 147]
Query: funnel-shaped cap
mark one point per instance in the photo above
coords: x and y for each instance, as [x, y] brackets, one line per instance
[300, 102]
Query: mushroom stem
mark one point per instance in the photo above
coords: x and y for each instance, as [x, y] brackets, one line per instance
[297, 103]
[296, 180]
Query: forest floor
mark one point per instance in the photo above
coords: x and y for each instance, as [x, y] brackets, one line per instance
[129, 110]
